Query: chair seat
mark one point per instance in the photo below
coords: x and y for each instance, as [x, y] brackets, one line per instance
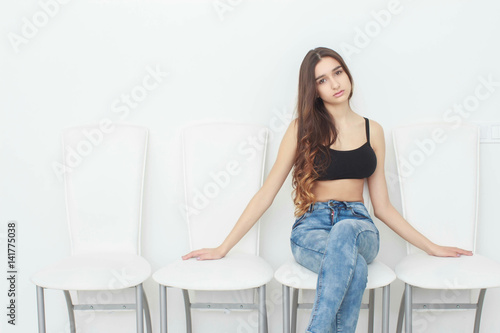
[235, 271]
[465, 272]
[294, 275]
[102, 271]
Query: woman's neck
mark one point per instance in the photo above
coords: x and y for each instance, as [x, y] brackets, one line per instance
[341, 113]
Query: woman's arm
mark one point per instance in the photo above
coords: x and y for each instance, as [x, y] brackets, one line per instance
[261, 201]
[384, 210]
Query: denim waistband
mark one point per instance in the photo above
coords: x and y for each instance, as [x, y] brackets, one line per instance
[333, 203]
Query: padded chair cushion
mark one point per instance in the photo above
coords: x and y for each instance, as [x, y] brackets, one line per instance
[297, 276]
[465, 272]
[236, 271]
[102, 271]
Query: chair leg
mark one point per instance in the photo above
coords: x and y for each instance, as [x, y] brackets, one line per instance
[386, 299]
[187, 310]
[408, 308]
[139, 308]
[286, 308]
[163, 309]
[479, 309]
[295, 304]
[147, 313]
[41, 309]
[399, 327]
[262, 310]
[71, 312]
[371, 310]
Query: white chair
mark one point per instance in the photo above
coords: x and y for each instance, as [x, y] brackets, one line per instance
[295, 277]
[103, 179]
[438, 167]
[223, 168]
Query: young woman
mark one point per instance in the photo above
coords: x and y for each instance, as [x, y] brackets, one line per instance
[332, 151]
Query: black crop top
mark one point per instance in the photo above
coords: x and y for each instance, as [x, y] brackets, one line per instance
[358, 163]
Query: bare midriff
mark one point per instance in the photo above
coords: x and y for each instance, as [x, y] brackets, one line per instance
[339, 189]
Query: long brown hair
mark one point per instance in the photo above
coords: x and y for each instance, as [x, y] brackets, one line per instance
[315, 125]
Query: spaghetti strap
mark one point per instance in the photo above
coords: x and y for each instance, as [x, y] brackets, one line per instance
[367, 126]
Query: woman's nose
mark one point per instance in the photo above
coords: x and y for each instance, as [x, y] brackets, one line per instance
[335, 84]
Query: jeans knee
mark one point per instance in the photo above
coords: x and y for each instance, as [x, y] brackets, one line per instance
[345, 228]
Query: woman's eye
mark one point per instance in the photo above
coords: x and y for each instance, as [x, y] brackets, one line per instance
[321, 81]
[338, 72]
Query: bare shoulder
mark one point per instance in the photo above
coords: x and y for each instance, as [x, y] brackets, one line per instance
[292, 130]
[375, 127]
[289, 141]
[377, 136]
[376, 130]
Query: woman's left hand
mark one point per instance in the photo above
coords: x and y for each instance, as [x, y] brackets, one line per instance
[446, 251]
[204, 254]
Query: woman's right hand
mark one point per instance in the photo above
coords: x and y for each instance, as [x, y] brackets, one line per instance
[205, 254]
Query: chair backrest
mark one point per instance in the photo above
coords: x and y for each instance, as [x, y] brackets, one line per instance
[223, 168]
[104, 179]
[438, 167]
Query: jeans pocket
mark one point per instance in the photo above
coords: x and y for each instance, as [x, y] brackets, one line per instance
[360, 212]
[299, 219]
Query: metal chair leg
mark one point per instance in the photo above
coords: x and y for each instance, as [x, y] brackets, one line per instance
[295, 305]
[399, 327]
[386, 300]
[71, 312]
[408, 308]
[147, 313]
[163, 309]
[286, 308]
[371, 310]
[41, 309]
[479, 309]
[139, 308]
[262, 310]
[187, 310]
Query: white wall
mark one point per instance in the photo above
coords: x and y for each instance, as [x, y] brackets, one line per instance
[226, 60]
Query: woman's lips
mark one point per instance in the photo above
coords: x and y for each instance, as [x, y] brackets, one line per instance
[340, 93]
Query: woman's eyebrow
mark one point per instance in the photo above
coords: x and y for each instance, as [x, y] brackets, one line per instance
[333, 70]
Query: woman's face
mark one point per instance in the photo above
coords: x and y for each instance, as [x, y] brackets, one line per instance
[332, 83]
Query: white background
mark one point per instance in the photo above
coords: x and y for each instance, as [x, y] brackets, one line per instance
[226, 60]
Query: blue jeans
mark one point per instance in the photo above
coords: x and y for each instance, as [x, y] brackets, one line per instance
[336, 240]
